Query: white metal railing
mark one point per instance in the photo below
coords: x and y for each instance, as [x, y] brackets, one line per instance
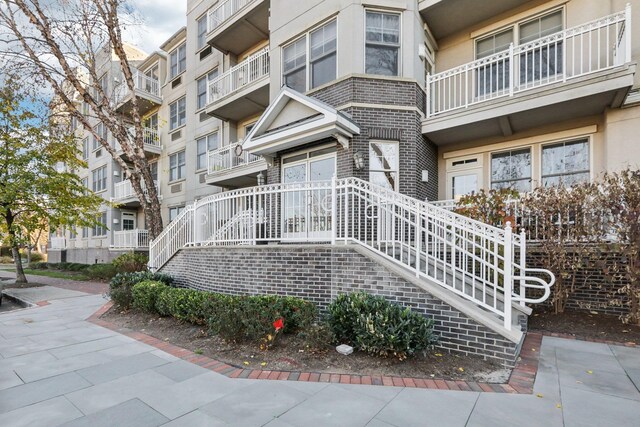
[225, 158]
[226, 10]
[124, 190]
[142, 83]
[252, 69]
[58, 242]
[575, 52]
[477, 261]
[130, 239]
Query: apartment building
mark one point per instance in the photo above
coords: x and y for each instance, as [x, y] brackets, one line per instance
[350, 115]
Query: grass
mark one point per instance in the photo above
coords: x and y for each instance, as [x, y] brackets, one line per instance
[57, 274]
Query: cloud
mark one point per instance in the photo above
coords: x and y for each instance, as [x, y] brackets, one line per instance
[160, 19]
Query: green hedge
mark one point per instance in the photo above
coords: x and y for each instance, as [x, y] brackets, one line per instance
[376, 326]
[131, 262]
[121, 286]
[145, 294]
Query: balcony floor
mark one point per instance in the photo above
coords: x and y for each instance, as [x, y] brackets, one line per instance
[581, 97]
[237, 177]
[249, 100]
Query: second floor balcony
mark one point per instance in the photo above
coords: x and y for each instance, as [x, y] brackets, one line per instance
[241, 91]
[58, 242]
[228, 169]
[577, 72]
[130, 239]
[124, 195]
[146, 90]
[151, 138]
[236, 25]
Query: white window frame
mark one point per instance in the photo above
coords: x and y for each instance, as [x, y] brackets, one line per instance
[176, 52]
[100, 230]
[177, 209]
[177, 103]
[99, 179]
[307, 63]
[201, 37]
[178, 167]
[364, 56]
[396, 145]
[85, 148]
[532, 166]
[587, 138]
[471, 165]
[205, 139]
[208, 78]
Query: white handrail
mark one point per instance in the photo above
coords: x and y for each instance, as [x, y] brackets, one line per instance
[252, 69]
[130, 239]
[477, 261]
[124, 190]
[141, 82]
[223, 12]
[225, 158]
[589, 48]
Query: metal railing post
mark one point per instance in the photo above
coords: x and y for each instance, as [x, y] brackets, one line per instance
[512, 64]
[429, 95]
[627, 28]
[508, 274]
[523, 262]
[418, 238]
[334, 210]
[254, 225]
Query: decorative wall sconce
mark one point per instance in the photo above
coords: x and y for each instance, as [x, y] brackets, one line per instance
[260, 178]
[358, 160]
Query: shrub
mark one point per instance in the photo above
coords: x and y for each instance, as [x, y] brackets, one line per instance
[374, 325]
[317, 338]
[184, 304]
[36, 257]
[38, 266]
[121, 285]
[131, 262]
[99, 271]
[6, 260]
[145, 294]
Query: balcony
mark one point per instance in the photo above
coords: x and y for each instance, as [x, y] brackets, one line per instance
[236, 25]
[241, 91]
[130, 239]
[123, 194]
[574, 73]
[146, 89]
[227, 169]
[447, 17]
[151, 138]
[58, 243]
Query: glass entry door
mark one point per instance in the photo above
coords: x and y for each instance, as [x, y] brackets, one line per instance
[306, 212]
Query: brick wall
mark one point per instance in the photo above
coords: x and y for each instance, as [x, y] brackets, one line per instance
[319, 274]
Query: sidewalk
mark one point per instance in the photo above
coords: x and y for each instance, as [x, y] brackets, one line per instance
[75, 285]
[57, 368]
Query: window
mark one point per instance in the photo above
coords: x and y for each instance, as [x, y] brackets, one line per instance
[205, 144]
[85, 148]
[103, 83]
[101, 228]
[382, 43]
[295, 65]
[565, 163]
[178, 60]
[154, 170]
[202, 31]
[493, 76]
[177, 166]
[85, 182]
[85, 232]
[203, 82]
[511, 169]
[99, 179]
[544, 62]
[383, 164]
[101, 131]
[177, 113]
[128, 221]
[323, 54]
[174, 212]
[463, 184]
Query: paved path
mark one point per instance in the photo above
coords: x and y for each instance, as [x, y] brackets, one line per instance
[58, 369]
[76, 285]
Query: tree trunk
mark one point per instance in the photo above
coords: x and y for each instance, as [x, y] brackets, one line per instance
[20, 277]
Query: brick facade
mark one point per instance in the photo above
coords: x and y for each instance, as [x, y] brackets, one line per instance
[319, 273]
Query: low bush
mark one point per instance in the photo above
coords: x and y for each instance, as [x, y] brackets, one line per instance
[131, 262]
[188, 305]
[36, 257]
[145, 294]
[121, 285]
[99, 271]
[6, 260]
[374, 325]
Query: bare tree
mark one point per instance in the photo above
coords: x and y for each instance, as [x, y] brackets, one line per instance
[59, 42]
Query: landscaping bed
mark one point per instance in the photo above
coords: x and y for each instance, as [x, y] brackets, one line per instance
[289, 353]
[584, 325]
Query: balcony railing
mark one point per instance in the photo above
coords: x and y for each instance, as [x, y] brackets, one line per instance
[58, 242]
[251, 70]
[142, 83]
[150, 136]
[225, 11]
[124, 191]
[130, 239]
[225, 158]
[572, 53]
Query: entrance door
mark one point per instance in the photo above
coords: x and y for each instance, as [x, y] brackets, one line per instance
[128, 221]
[306, 213]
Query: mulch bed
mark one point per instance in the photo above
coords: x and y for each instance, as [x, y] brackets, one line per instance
[290, 354]
[584, 325]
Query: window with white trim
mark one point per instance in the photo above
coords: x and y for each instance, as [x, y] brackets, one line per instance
[202, 83]
[382, 48]
[511, 169]
[174, 212]
[566, 163]
[302, 72]
[85, 148]
[177, 113]
[99, 179]
[202, 31]
[178, 60]
[204, 145]
[102, 131]
[177, 166]
[100, 230]
[384, 164]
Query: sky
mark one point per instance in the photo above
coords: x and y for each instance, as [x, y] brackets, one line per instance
[161, 19]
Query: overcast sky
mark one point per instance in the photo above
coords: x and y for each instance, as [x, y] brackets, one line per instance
[162, 18]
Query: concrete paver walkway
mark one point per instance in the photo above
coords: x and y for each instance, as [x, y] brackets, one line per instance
[58, 369]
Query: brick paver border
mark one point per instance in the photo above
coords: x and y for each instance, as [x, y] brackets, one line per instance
[520, 381]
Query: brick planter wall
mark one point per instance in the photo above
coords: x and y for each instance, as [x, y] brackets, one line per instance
[319, 273]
